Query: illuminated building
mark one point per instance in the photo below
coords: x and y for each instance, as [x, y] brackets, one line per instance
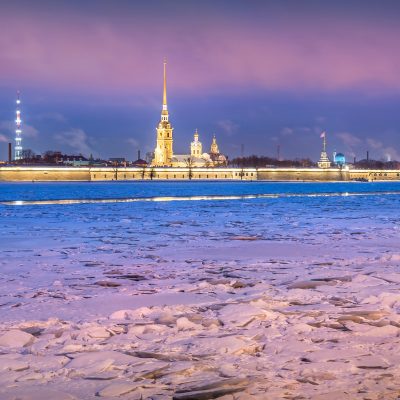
[196, 148]
[339, 159]
[324, 161]
[216, 157]
[163, 152]
[214, 146]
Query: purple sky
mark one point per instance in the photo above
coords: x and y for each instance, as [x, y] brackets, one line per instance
[258, 73]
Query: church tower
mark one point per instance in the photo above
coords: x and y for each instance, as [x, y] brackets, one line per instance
[196, 148]
[214, 146]
[163, 152]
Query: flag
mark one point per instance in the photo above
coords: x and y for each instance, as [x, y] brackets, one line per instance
[323, 134]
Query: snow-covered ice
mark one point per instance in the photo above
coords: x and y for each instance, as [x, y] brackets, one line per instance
[293, 296]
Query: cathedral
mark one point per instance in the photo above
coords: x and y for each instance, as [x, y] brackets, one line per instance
[163, 153]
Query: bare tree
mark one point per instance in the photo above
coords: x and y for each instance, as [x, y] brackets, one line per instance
[189, 164]
[152, 173]
[28, 155]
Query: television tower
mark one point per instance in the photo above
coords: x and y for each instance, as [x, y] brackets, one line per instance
[18, 131]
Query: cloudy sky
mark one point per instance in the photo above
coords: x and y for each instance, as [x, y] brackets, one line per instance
[257, 73]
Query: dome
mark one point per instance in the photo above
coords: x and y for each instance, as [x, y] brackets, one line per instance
[339, 159]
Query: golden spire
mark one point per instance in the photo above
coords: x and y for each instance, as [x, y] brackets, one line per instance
[165, 86]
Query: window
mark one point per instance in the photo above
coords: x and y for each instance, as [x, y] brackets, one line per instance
[133, 175]
[105, 176]
[94, 176]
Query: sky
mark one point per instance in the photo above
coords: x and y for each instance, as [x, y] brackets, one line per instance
[257, 74]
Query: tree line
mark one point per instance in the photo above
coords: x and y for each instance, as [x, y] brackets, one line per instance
[254, 161]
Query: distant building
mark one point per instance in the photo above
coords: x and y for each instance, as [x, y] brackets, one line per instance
[75, 161]
[140, 163]
[197, 158]
[339, 159]
[56, 157]
[216, 157]
[196, 148]
[117, 161]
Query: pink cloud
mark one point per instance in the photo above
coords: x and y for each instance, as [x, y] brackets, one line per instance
[103, 54]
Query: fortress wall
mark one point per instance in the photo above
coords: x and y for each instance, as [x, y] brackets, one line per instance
[43, 173]
[111, 174]
[29, 174]
[205, 173]
[298, 174]
[375, 175]
[104, 174]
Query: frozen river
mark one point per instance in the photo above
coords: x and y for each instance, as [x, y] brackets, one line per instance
[257, 284]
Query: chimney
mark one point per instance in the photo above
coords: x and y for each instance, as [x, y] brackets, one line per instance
[367, 155]
[9, 153]
[138, 154]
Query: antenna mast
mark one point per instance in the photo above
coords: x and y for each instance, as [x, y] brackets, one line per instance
[18, 131]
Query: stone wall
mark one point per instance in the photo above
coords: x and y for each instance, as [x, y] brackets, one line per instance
[30, 174]
[302, 174]
[374, 175]
[101, 174]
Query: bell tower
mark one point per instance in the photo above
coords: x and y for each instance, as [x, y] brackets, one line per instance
[163, 152]
[196, 148]
[214, 146]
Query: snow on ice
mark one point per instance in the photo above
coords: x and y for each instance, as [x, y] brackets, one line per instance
[232, 299]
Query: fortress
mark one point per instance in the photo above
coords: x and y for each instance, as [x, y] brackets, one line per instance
[197, 165]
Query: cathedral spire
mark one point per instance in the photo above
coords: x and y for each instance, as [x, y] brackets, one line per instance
[163, 152]
[165, 86]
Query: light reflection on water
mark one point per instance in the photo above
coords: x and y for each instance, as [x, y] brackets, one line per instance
[193, 198]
